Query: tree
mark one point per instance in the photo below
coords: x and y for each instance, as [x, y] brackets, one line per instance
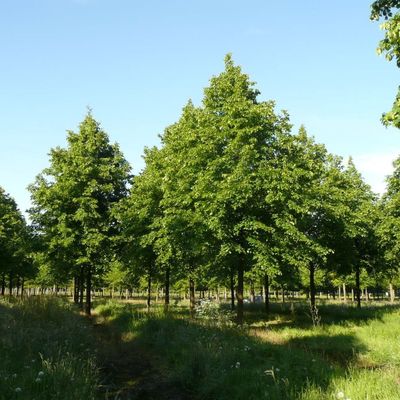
[358, 247]
[234, 142]
[73, 200]
[389, 227]
[389, 46]
[14, 243]
[138, 217]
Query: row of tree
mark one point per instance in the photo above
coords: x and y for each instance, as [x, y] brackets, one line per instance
[232, 195]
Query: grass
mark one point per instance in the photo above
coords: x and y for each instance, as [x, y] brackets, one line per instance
[354, 354]
[46, 351]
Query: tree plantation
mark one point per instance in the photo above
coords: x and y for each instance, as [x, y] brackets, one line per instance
[233, 203]
[244, 261]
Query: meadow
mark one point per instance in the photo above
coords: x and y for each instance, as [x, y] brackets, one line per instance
[50, 351]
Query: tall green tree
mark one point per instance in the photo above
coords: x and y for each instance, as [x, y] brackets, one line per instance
[357, 249]
[389, 227]
[236, 139]
[14, 243]
[139, 216]
[73, 200]
[389, 46]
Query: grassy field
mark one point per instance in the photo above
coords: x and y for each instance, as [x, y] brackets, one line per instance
[49, 351]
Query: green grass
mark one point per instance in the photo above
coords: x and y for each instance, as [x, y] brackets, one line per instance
[354, 353]
[46, 351]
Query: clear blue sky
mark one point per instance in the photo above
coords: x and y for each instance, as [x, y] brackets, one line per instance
[136, 63]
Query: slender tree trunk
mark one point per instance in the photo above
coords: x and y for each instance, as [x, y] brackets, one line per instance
[81, 288]
[232, 285]
[10, 284]
[340, 293]
[191, 296]
[88, 305]
[22, 287]
[283, 294]
[344, 293]
[266, 293]
[3, 284]
[358, 289]
[148, 300]
[239, 292]
[352, 295]
[252, 292]
[166, 297]
[76, 289]
[312, 286]
[366, 294]
[391, 292]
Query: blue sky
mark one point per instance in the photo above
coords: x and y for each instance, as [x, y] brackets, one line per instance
[137, 63]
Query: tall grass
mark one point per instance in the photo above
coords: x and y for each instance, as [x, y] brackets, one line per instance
[46, 351]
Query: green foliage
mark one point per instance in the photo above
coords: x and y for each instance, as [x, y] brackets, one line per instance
[389, 227]
[73, 200]
[14, 239]
[389, 46]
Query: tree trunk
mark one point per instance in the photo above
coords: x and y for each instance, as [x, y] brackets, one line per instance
[312, 286]
[252, 292]
[232, 285]
[239, 293]
[391, 292]
[344, 293]
[10, 284]
[76, 289]
[81, 288]
[352, 295]
[358, 289]
[22, 287]
[166, 297]
[148, 301]
[266, 293]
[191, 296]
[88, 305]
[283, 294]
[3, 284]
